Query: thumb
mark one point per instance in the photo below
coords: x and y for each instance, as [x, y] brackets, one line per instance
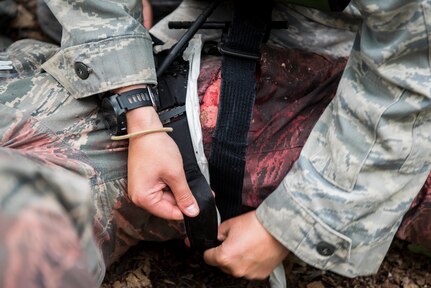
[183, 195]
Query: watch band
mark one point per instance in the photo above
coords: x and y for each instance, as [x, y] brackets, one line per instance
[137, 98]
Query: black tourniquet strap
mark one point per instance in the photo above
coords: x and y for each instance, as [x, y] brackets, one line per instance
[241, 51]
[172, 79]
[172, 85]
[202, 229]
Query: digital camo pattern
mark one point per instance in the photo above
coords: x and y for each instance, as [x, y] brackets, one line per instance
[42, 125]
[334, 37]
[46, 238]
[118, 224]
[335, 191]
[316, 31]
[293, 89]
[69, 133]
[96, 32]
[369, 154]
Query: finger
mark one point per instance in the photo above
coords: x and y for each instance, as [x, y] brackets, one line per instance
[169, 197]
[160, 204]
[182, 193]
[147, 12]
[210, 256]
[166, 210]
[176, 213]
[213, 257]
[223, 230]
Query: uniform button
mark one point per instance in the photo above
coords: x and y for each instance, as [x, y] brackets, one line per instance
[82, 70]
[325, 249]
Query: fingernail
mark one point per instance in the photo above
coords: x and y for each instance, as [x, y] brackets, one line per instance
[192, 210]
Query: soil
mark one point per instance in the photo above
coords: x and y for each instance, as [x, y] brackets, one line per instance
[171, 264]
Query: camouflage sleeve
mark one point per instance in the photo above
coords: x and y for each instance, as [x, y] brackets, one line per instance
[104, 46]
[369, 154]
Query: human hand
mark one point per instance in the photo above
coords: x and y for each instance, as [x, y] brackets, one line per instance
[156, 178]
[248, 250]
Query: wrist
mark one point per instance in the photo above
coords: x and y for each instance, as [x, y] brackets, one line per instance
[142, 119]
[128, 88]
[130, 109]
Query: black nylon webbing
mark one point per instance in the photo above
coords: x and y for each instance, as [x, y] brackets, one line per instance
[237, 95]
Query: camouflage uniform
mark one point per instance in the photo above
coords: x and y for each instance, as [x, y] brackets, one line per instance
[330, 209]
[369, 154]
[46, 133]
[43, 123]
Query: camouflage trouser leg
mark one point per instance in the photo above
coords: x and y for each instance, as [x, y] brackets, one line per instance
[45, 239]
[41, 122]
[272, 150]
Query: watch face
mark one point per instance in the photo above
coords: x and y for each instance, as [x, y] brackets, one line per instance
[114, 107]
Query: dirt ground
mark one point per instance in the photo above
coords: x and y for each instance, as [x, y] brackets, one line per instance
[171, 264]
[168, 265]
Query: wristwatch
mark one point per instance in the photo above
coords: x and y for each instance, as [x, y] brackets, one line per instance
[114, 107]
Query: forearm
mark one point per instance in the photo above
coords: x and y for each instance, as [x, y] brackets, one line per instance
[368, 155]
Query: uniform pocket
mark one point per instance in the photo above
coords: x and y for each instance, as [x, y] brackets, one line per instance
[348, 130]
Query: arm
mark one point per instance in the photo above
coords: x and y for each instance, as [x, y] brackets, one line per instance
[106, 48]
[109, 39]
[370, 153]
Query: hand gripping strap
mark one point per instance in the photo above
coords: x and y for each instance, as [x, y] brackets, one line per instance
[202, 229]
